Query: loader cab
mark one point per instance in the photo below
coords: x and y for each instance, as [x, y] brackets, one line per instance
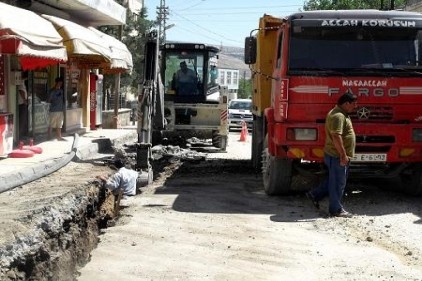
[188, 72]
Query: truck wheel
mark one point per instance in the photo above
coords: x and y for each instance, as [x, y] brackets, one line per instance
[276, 174]
[219, 141]
[411, 180]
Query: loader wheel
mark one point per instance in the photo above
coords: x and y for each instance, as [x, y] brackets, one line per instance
[219, 141]
[411, 180]
[276, 174]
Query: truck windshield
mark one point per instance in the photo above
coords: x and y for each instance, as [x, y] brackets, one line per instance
[183, 73]
[240, 104]
[354, 49]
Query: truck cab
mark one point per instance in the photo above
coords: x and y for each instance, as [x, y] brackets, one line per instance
[304, 62]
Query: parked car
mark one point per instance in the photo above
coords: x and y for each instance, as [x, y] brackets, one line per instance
[239, 111]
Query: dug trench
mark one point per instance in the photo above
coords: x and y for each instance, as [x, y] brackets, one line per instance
[50, 226]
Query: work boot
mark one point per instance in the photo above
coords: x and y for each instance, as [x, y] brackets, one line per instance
[342, 214]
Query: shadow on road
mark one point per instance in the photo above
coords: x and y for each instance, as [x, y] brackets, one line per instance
[232, 187]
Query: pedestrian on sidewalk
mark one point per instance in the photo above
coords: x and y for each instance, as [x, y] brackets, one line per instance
[56, 100]
[340, 142]
[124, 179]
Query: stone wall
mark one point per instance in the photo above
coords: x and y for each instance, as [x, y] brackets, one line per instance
[123, 118]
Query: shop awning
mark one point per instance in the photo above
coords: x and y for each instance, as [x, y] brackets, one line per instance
[82, 44]
[33, 39]
[121, 58]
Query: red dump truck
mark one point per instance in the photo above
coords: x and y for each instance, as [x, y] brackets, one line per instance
[301, 64]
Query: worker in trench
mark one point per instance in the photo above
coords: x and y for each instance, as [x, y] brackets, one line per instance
[124, 180]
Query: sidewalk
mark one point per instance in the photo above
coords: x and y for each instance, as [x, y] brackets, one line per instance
[56, 154]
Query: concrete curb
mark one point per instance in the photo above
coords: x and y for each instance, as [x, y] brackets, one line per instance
[83, 152]
[103, 145]
[43, 169]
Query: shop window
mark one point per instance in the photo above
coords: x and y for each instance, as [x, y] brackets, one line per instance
[40, 86]
[73, 91]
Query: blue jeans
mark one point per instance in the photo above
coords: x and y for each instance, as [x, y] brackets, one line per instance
[333, 185]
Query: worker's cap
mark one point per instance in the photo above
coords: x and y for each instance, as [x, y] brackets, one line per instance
[347, 97]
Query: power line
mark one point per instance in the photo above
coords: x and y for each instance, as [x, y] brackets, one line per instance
[243, 7]
[236, 10]
[207, 20]
[189, 31]
[203, 28]
[236, 13]
[195, 5]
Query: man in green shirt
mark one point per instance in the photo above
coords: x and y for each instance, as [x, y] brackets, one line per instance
[340, 142]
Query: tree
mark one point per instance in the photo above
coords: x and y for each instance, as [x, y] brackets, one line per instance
[245, 88]
[352, 4]
[133, 35]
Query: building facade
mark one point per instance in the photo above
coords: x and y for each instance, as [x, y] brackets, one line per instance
[29, 58]
[230, 79]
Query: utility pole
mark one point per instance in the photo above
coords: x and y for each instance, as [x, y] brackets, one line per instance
[162, 16]
[117, 87]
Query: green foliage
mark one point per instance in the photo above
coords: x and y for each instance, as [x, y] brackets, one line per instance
[352, 4]
[245, 88]
[133, 35]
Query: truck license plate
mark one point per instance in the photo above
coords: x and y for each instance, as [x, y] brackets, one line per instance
[370, 157]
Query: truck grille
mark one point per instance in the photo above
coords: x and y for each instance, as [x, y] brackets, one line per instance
[374, 144]
[375, 139]
[373, 113]
[372, 149]
[241, 116]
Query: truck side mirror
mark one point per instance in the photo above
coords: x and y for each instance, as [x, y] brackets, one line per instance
[250, 50]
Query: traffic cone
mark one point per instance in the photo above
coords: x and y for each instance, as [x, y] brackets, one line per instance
[243, 132]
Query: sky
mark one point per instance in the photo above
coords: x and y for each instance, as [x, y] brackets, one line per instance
[218, 22]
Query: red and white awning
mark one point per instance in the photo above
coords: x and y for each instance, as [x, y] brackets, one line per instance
[29, 36]
[82, 44]
[121, 58]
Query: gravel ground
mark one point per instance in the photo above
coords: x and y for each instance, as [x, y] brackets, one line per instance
[205, 217]
[211, 220]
